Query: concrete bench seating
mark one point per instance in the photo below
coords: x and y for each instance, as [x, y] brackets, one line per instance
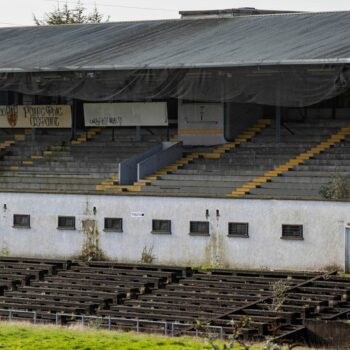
[236, 167]
[168, 294]
[50, 162]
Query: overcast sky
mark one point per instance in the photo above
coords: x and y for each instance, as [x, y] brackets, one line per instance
[20, 12]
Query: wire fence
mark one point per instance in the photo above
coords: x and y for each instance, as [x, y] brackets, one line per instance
[138, 325]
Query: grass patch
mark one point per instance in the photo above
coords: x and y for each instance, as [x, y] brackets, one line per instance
[18, 336]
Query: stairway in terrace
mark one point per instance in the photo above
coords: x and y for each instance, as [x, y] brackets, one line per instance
[53, 163]
[204, 176]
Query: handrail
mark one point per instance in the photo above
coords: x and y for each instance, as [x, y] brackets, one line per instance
[166, 325]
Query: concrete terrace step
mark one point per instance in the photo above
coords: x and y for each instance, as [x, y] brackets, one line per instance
[244, 160]
[291, 185]
[232, 169]
[305, 173]
[332, 162]
[279, 145]
[49, 180]
[56, 186]
[288, 192]
[80, 175]
[317, 123]
[72, 164]
[285, 178]
[188, 189]
[193, 177]
[324, 168]
[75, 170]
[217, 172]
[197, 183]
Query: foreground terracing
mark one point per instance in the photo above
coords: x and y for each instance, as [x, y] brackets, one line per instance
[169, 299]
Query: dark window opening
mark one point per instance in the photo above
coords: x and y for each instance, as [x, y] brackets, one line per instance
[161, 226]
[200, 228]
[113, 224]
[66, 222]
[292, 232]
[20, 220]
[238, 229]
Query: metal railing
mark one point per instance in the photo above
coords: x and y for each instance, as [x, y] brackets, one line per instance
[169, 328]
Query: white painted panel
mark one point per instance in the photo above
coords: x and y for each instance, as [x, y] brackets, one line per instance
[126, 114]
[201, 123]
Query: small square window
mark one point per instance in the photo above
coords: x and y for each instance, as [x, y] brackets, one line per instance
[113, 225]
[292, 232]
[199, 228]
[238, 229]
[161, 226]
[21, 221]
[66, 223]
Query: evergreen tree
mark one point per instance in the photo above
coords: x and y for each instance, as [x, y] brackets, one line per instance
[67, 15]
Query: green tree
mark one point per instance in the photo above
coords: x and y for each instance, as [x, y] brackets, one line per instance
[68, 15]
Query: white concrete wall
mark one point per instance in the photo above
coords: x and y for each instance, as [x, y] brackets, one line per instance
[323, 244]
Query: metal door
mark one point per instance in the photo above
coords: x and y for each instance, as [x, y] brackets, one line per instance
[347, 250]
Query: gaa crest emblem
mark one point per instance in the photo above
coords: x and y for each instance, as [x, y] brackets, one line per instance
[11, 115]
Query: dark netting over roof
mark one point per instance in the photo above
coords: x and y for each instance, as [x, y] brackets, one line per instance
[271, 59]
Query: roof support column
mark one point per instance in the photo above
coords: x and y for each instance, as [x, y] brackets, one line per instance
[138, 133]
[74, 118]
[278, 124]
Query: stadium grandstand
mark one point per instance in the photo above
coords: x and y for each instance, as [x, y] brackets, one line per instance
[195, 132]
[216, 133]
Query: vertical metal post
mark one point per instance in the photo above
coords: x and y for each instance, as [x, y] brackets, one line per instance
[138, 134]
[33, 135]
[57, 319]
[109, 323]
[74, 118]
[137, 326]
[334, 108]
[278, 124]
[165, 328]
[221, 333]
[172, 329]
[10, 315]
[82, 320]
[34, 317]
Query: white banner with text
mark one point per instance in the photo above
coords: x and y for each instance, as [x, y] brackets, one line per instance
[126, 114]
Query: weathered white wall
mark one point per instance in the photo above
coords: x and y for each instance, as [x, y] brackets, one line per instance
[323, 244]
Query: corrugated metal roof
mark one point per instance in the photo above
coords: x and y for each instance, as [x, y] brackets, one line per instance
[304, 38]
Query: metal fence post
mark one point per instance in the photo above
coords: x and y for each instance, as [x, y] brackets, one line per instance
[10, 315]
[165, 328]
[57, 319]
[109, 323]
[34, 317]
[221, 333]
[82, 320]
[172, 329]
[137, 326]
